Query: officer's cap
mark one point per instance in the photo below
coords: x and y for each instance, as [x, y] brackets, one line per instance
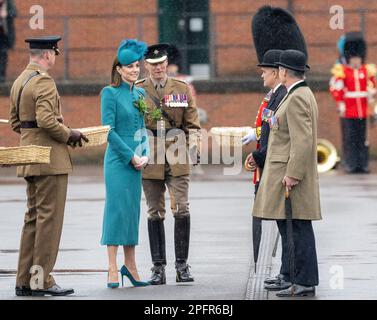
[48, 42]
[157, 53]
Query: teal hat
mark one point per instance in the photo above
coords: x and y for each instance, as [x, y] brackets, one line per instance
[131, 50]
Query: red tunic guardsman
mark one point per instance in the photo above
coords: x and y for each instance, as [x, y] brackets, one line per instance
[352, 86]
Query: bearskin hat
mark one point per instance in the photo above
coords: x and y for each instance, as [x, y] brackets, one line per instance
[354, 45]
[276, 28]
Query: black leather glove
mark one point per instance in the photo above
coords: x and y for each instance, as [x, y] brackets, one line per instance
[75, 138]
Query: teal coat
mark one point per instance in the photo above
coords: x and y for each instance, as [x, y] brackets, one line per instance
[127, 137]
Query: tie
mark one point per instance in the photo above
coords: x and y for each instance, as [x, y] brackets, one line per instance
[160, 90]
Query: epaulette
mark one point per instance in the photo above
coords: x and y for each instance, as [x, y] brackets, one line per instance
[338, 71]
[179, 80]
[140, 81]
[371, 69]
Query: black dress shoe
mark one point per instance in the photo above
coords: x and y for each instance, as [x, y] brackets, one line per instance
[183, 273]
[364, 170]
[274, 279]
[297, 291]
[158, 275]
[280, 284]
[23, 291]
[351, 170]
[55, 290]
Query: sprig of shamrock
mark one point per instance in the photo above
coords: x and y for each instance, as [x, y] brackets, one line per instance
[156, 114]
[141, 105]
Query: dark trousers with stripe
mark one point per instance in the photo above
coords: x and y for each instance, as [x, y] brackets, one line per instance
[305, 257]
[355, 151]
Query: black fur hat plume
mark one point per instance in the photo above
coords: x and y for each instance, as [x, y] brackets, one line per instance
[276, 28]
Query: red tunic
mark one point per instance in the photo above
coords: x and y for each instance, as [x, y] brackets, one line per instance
[258, 126]
[350, 86]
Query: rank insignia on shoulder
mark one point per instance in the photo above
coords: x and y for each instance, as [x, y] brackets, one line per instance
[176, 100]
[180, 80]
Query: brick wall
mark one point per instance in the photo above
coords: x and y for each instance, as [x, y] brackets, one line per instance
[92, 30]
[235, 54]
[222, 109]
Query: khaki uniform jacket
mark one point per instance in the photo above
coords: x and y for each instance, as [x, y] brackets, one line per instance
[40, 102]
[186, 116]
[292, 151]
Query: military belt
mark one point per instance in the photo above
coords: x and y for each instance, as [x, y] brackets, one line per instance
[29, 124]
[155, 131]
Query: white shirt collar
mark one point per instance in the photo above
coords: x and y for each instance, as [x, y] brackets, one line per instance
[297, 82]
[277, 87]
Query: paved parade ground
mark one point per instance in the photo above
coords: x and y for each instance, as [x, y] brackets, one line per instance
[221, 249]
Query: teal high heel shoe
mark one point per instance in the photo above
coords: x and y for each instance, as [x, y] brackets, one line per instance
[124, 272]
[112, 285]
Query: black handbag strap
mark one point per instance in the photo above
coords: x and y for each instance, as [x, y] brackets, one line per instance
[29, 77]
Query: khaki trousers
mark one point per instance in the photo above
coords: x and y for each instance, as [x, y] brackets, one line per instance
[155, 195]
[46, 197]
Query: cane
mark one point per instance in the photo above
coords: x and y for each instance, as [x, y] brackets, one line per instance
[291, 244]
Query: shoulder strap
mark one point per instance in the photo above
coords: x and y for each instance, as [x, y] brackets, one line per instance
[164, 113]
[31, 76]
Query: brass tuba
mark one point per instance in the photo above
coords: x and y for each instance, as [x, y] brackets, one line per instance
[327, 155]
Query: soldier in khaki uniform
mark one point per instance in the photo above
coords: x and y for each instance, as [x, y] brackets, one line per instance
[173, 120]
[35, 114]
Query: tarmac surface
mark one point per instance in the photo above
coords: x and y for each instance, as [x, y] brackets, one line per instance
[221, 246]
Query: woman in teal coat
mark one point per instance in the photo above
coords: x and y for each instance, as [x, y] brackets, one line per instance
[122, 108]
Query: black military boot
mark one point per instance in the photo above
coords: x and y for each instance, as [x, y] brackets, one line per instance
[182, 242]
[156, 232]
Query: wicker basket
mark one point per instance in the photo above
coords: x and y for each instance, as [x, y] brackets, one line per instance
[229, 136]
[96, 135]
[25, 155]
